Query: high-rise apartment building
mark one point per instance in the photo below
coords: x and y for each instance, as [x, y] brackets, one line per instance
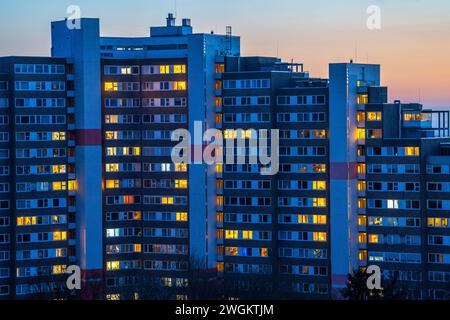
[87, 178]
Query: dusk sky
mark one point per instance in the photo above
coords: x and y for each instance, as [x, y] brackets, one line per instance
[413, 45]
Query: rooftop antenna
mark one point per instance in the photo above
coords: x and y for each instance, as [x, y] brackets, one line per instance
[176, 9]
[229, 39]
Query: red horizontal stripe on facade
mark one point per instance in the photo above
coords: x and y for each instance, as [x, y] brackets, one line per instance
[89, 137]
[344, 171]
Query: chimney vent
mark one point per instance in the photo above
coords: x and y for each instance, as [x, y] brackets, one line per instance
[171, 20]
[186, 22]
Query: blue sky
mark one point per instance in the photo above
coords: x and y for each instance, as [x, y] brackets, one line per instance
[412, 46]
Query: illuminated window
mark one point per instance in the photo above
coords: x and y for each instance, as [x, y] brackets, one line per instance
[319, 168]
[219, 168]
[58, 136]
[319, 202]
[111, 151]
[111, 86]
[247, 235]
[59, 236]
[181, 68]
[59, 186]
[219, 201]
[231, 251]
[181, 184]
[112, 167]
[26, 221]
[167, 200]
[361, 185]
[362, 221]
[72, 185]
[361, 116]
[137, 216]
[362, 238]
[111, 135]
[182, 216]
[320, 236]
[59, 169]
[218, 85]
[179, 85]
[219, 118]
[219, 184]
[137, 248]
[164, 69]
[362, 255]
[361, 168]
[360, 134]
[392, 204]
[363, 99]
[113, 265]
[232, 234]
[319, 185]
[264, 252]
[412, 151]
[374, 133]
[362, 203]
[218, 102]
[374, 238]
[112, 184]
[303, 219]
[374, 116]
[112, 119]
[220, 68]
[219, 216]
[230, 134]
[220, 267]
[181, 167]
[319, 219]
[59, 269]
[60, 253]
[438, 222]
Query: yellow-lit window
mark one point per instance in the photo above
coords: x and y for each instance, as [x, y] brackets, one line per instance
[182, 216]
[361, 185]
[360, 134]
[26, 221]
[219, 184]
[362, 203]
[112, 119]
[231, 251]
[320, 236]
[111, 151]
[219, 118]
[59, 269]
[59, 236]
[60, 253]
[232, 234]
[247, 235]
[362, 255]
[374, 116]
[137, 215]
[219, 233]
[58, 136]
[361, 116]
[230, 134]
[220, 68]
[111, 135]
[167, 200]
[319, 185]
[361, 168]
[59, 186]
[218, 85]
[164, 69]
[72, 185]
[374, 133]
[362, 238]
[374, 238]
[112, 184]
[137, 248]
[113, 297]
[59, 169]
[319, 168]
[218, 102]
[181, 184]
[362, 221]
[264, 252]
[363, 99]
[412, 151]
[319, 219]
[219, 216]
[112, 167]
[179, 68]
[111, 86]
[180, 167]
[220, 267]
[179, 85]
[319, 202]
[219, 201]
[303, 219]
[113, 265]
[219, 168]
[125, 70]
